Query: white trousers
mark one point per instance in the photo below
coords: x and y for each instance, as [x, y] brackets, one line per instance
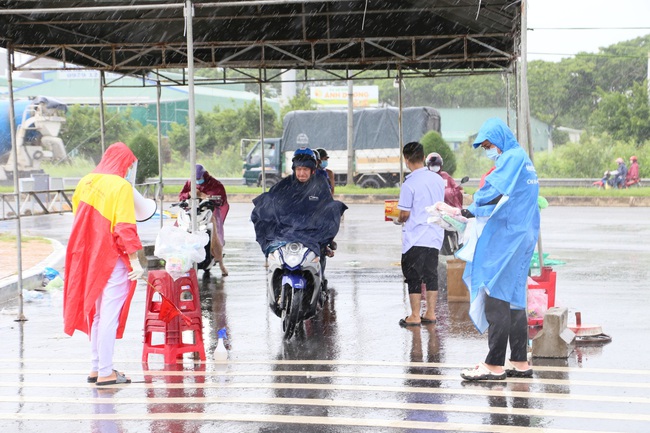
[107, 314]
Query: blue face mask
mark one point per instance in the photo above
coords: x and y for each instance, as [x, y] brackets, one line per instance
[323, 164]
[493, 153]
[200, 181]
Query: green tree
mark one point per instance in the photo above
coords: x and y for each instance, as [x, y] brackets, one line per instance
[221, 130]
[301, 101]
[82, 133]
[433, 142]
[623, 115]
[146, 150]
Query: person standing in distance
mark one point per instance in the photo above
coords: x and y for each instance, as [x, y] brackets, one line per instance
[101, 260]
[506, 210]
[421, 241]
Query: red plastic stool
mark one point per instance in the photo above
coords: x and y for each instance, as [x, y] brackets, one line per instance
[184, 294]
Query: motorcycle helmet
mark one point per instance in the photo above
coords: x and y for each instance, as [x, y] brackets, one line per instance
[434, 159]
[322, 153]
[304, 157]
[619, 160]
[633, 158]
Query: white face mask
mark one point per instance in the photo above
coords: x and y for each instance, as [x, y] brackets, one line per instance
[493, 153]
[130, 174]
[435, 168]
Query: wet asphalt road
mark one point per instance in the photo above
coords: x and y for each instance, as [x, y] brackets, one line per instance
[353, 369]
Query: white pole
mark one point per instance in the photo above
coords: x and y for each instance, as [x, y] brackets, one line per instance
[263, 161]
[12, 128]
[102, 122]
[399, 125]
[189, 13]
[350, 176]
[160, 162]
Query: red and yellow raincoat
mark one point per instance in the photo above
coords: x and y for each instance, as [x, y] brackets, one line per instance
[103, 232]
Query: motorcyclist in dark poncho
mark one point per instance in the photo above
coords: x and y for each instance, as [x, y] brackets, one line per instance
[299, 208]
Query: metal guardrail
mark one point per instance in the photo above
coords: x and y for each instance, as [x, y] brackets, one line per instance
[35, 202]
[58, 200]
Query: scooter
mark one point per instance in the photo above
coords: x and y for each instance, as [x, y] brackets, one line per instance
[297, 291]
[204, 211]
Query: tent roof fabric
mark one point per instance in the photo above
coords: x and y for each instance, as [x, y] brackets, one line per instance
[422, 37]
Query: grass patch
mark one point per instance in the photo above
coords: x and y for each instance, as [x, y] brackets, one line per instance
[9, 237]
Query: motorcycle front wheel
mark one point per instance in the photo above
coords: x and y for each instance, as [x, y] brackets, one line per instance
[291, 316]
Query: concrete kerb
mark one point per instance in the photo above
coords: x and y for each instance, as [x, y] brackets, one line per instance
[32, 277]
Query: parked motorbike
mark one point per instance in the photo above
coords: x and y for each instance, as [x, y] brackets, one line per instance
[297, 291]
[204, 211]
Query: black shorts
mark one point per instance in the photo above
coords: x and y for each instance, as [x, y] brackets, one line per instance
[420, 265]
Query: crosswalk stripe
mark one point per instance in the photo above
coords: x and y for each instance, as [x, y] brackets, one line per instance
[311, 374]
[537, 368]
[333, 403]
[289, 419]
[362, 388]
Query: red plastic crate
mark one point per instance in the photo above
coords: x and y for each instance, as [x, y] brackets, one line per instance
[545, 281]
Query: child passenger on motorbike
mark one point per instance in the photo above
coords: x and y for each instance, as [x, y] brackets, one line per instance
[208, 186]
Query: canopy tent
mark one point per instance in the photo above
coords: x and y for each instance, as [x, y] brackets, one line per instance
[136, 36]
[345, 38]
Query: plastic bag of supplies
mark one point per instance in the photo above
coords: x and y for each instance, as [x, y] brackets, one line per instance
[180, 249]
[447, 217]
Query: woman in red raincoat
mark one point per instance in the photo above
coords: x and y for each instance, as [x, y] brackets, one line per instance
[101, 260]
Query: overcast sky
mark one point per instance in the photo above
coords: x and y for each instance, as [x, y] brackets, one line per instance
[603, 14]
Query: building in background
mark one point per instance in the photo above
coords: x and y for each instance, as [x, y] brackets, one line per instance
[81, 87]
[460, 124]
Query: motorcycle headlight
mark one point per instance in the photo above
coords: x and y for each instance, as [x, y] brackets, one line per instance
[294, 253]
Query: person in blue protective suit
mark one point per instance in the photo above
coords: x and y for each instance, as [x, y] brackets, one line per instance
[299, 208]
[498, 258]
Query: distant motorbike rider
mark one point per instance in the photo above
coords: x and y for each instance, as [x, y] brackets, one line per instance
[621, 173]
[208, 186]
[453, 197]
[633, 173]
[299, 208]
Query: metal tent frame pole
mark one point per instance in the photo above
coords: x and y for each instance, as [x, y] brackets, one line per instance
[400, 128]
[14, 148]
[102, 119]
[350, 134]
[161, 193]
[263, 160]
[189, 13]
[524, 133]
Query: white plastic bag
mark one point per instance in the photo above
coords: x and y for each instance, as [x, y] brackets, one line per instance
[447, 217]
[180, 249]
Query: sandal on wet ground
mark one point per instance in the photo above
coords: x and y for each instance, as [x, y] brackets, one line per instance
[512, 371]
[404, 324]
[120, 379]
[427, 321]
[481, 372]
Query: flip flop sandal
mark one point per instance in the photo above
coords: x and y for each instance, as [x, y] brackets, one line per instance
[481, 372]
[428, 321]
[120, 379]
[91, 379]
[404, 324]
[512, 371]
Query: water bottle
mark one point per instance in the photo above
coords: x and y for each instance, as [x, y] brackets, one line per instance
[221, 351]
